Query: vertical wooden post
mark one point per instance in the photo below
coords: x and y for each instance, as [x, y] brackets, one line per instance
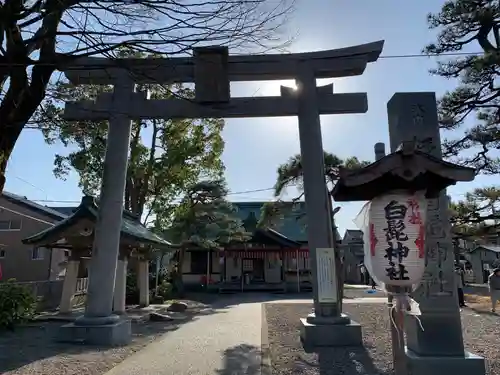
[298, 272]
[242, 275]
[208, 268]
[398, 338]
[225, 268]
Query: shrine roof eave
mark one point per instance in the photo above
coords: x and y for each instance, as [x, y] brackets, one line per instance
[55, 233]
[399, 171]
[131, 228]
[276, 237]
[271, 236]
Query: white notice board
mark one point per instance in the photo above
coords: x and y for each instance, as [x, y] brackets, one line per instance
[325, 271]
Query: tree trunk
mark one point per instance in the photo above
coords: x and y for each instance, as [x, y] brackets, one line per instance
[24, 95]
[5, 152]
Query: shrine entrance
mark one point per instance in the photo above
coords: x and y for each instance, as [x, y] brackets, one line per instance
[212, 69]
[258, 275]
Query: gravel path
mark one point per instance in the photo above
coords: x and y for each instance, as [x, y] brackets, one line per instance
[481, 332]
[31, 350]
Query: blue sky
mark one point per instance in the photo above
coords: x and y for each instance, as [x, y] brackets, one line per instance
[255, 147]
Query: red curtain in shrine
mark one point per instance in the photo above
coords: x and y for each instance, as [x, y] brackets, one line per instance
[260, 254]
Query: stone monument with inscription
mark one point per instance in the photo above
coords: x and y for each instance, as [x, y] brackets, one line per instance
[438, 348]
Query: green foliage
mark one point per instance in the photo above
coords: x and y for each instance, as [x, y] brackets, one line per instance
[206, 218]
[166, 156]
[273, 213]
[131, 289]
[39, 37]
[17, 304]
[165, 290]
[291, 174]
[477, 214]
[473, 107]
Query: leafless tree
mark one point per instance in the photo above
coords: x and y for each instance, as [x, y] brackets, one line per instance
[38, 37]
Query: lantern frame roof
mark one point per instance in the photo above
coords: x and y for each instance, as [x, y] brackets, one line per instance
[405, 169]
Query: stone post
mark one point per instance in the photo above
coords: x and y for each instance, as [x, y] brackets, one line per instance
[108, 228]
[439, 348]
[120, 285]
[326, 326]
[99, 326]
[69, 286]
[143, 282]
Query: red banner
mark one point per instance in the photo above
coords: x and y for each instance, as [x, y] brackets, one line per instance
[261, 254]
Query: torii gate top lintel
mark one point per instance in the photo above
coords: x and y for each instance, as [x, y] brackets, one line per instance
[342, 62]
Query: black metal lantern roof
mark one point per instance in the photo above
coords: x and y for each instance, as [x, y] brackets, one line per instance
[405, 169]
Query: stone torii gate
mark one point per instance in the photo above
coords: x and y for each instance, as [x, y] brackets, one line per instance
[212, 70]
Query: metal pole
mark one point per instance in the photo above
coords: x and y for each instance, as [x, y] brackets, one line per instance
[108, 227]
[312, 156]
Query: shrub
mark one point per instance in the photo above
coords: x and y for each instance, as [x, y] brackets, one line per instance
[17, 304]
[165, 290]
[132, 289]
[156, 300]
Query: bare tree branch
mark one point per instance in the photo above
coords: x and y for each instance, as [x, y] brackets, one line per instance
[38, 37]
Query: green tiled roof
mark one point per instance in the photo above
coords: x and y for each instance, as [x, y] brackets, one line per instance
[293, 225]
[131, 226]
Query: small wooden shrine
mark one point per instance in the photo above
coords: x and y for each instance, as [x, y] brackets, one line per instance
[76, 233]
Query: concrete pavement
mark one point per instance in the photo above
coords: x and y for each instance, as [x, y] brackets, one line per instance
[226, 342]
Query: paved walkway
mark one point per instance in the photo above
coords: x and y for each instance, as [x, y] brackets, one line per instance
[226, 342]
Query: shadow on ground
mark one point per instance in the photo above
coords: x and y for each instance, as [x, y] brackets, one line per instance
[221, 301]
[241, 360]
[482, 310]
[34, 344]
[352, 361]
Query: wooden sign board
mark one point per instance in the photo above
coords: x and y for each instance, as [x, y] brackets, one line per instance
[325, 272]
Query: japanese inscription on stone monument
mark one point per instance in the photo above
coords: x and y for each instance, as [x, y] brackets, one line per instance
[435, 280]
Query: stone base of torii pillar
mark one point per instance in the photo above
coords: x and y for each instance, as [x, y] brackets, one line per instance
[338, 331]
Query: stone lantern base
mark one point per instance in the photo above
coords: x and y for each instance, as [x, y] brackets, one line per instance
[330, 332]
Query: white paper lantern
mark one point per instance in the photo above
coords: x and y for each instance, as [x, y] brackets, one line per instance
[395, 250]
